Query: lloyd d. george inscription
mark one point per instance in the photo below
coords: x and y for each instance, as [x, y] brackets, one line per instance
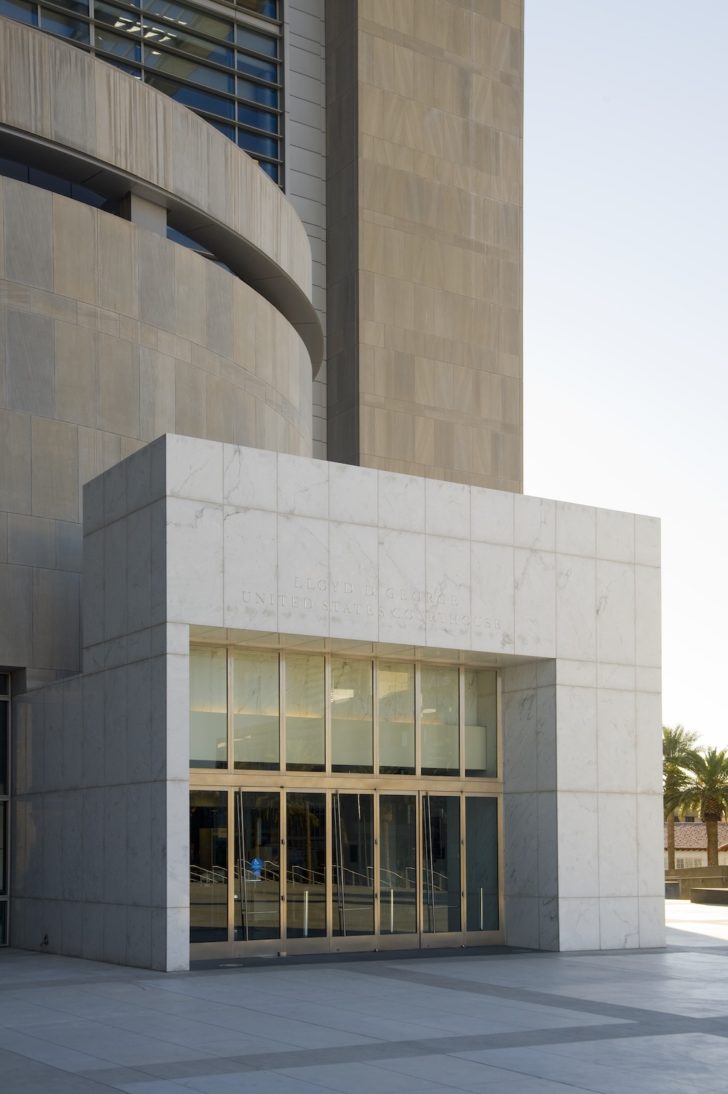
[350, 598]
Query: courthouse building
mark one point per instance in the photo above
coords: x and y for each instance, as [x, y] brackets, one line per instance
[288, 662]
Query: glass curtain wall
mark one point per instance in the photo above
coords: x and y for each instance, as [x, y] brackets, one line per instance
[341, 799]
[223, 63]
[271, 711]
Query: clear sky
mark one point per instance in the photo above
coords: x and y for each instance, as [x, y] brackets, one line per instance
[626, 299]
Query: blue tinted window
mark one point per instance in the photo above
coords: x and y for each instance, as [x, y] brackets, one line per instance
[67, 28]
[129, 69]
[226, 130]
[157, 34]
[46, 181]
[80, 6]
[261, 146]
[264, 70]
[9, 169]
[180, 18]
[271, 169]
[261, 7]
[194, 97]
[183, 69]
[121, 47]
[267, 96]
[261, 119]
[259, 43]
[121, 21]
[20, 12]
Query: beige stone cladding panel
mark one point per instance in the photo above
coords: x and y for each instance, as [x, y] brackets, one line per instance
[110, 336]
[60, 94]
[440, 239]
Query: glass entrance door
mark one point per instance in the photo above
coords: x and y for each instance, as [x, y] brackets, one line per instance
[352, 823]
[257, 866]
[398, 864]
[306, 853]
[338, 869]
[441, 885]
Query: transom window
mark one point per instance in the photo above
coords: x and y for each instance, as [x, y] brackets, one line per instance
[261, 710]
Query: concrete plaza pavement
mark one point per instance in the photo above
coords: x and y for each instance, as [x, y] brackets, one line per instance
[631, 1022]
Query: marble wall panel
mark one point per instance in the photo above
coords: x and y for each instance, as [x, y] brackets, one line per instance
[492, 516]
[353, 581]
[647, 616]
[618, 841]
[647, 541]
[575, 529]
[303, 487]
[615, 535]
[648, 732]
[401, 502]
[195, 559]
[303, 575]
[448, 605]
[652, 921]
[579, 923]
[578, 871]
[615, 612]
[576, 753]
[534, 523]
[250, 478]
[616, 741]
[535, 603]
[251, 569]
[353, 494]
[619, 923]
[402, 585]
[492, 603]
[650, 830]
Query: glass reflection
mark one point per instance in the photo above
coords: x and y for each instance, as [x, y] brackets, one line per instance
[208, 708]
[440, 728]
[305, 698]
[353, 862]
[396, 697]
[182, 68]
[441, 865]
[351, 716]
[179, 19]
[481, 737]
[306, 865]
[193, 97]
[257, 865]
[62, 25]
[208, 866]
[21, 13]
[255, 710]
[261, 146]
[481, 864]
[398, 864]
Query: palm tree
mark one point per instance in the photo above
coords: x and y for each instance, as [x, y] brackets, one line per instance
[705, 790]
[677, 746]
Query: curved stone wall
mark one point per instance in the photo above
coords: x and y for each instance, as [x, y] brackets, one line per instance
[111, 335]
[66, 100]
